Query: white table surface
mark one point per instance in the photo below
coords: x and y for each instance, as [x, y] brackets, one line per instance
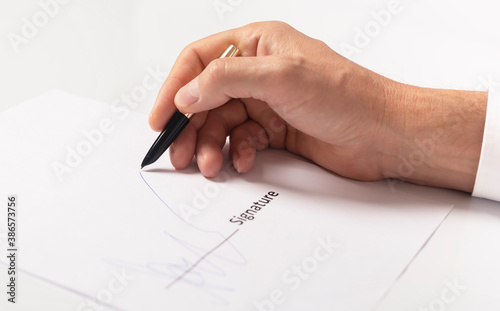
[103, 49]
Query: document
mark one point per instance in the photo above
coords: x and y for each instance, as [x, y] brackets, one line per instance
[288, 235]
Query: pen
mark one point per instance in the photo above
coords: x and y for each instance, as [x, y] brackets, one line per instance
[175, 126]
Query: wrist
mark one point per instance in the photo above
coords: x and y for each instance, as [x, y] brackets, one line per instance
[433, 136]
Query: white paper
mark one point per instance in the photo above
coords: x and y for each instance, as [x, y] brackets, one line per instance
[121, 238]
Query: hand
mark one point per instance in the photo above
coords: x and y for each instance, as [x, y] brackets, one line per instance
[294, 92]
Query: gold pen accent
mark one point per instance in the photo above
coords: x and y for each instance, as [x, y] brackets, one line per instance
[230, 52]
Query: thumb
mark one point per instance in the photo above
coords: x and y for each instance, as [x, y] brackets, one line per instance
[226, 78]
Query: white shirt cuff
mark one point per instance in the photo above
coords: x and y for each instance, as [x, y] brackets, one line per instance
[487, 183]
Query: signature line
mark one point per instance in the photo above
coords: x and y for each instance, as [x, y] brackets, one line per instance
[199, 260]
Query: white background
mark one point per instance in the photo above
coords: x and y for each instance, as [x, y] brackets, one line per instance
[102, 50]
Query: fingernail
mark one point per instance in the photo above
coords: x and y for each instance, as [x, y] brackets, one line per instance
[236, 163]
[188, 94]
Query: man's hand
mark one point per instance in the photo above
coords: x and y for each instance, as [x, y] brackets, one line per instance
[294, 92]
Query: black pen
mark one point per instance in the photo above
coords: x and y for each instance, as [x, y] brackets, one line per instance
[175, 126]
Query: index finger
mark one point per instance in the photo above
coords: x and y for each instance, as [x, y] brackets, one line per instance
[191, 62]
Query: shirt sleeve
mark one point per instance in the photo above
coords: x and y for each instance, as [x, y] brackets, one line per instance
[487, 183]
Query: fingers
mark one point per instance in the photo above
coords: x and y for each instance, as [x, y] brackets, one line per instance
[245, 141]
[183, 148]
[212, 136]
[273, 128]
[206, 135]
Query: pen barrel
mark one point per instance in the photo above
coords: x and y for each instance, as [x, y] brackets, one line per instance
[173, 128]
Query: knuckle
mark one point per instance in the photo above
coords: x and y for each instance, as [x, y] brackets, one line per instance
[288, 68]
[278, 25]
[217, 70]
[269, 24]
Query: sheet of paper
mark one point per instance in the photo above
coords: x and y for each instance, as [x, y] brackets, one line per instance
[286, 236]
